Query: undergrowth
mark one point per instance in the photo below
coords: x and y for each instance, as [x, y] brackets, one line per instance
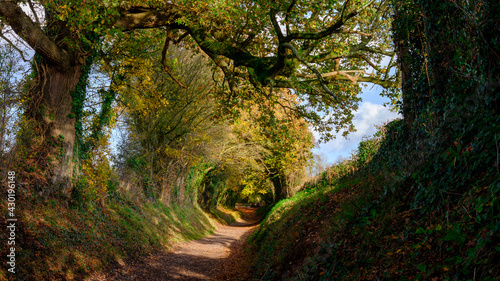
[369, 221]
[59, 241]
[421, 203]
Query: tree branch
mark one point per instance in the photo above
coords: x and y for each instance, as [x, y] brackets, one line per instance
[374, 50]
[356, 32]
[240, 57]
[320, 77]
[145, 17]
[184, 35]
[277, 28]
[333, 73]
[352, 52]
[329, 31]
[334, 28]
[345, 75]
[164, 60]
[33, 35]
[288, 10]
[32, 7]
[369, 62]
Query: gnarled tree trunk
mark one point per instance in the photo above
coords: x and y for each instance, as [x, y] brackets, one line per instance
[49, 113]
[49, 141]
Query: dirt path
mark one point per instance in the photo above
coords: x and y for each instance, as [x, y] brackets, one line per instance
[203, 259]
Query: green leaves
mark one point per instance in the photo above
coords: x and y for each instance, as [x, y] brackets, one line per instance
[455, 235]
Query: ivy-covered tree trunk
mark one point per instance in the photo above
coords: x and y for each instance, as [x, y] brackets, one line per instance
[403, 53]
[49, 114]
[54, 98]
[449, 55]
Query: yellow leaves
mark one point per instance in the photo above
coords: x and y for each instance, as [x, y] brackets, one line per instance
[96, 171]
[171, 152]
[313, 24]
[63, 12]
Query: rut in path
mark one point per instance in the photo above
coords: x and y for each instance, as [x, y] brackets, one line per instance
[202, 259]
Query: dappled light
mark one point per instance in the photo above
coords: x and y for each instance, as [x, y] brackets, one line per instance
[196, 260]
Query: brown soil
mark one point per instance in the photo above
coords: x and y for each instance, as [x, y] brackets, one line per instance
[217, 257]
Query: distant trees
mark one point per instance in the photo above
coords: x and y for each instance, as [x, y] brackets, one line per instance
[285, 137]
[176, 151]
[318, 164]
[7, 96]
[168, 126]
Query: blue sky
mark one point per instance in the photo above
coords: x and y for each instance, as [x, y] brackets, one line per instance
[371, 112]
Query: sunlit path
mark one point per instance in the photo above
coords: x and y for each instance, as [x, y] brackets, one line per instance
[194, 260]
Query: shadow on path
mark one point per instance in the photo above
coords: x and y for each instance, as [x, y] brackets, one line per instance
[194, 260]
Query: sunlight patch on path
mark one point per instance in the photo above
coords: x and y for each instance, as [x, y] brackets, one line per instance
[194, 260]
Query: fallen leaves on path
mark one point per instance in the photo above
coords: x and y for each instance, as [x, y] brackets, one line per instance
[220, 256]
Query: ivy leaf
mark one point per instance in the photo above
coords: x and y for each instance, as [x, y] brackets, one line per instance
[455, 235]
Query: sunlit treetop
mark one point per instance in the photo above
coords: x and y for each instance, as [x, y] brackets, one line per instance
[321, 49]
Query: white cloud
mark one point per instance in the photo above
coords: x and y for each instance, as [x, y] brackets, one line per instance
[367, 115]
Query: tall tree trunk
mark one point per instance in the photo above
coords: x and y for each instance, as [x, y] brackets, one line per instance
[279, 183]
[402, 51]
[49, 113]
[49, 140]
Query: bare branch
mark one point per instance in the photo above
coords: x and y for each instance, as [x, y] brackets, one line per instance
[375, 50]
[389, 66]
[334, 73]
[32, 7]
[356, 32]
[369, 62]
[345, 75]
[14, 46]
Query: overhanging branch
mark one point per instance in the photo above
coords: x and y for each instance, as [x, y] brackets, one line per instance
[318, 74]
[25, 28]
[346, 75]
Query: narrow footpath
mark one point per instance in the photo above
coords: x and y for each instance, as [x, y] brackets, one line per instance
[216, 257]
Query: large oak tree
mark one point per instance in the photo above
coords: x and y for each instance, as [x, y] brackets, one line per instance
[319, 48]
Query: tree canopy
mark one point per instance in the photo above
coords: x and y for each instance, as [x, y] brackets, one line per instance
[319, 48]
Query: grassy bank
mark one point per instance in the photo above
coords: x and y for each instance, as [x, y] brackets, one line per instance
[374, 218]
[56, 241]
[224, 215]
